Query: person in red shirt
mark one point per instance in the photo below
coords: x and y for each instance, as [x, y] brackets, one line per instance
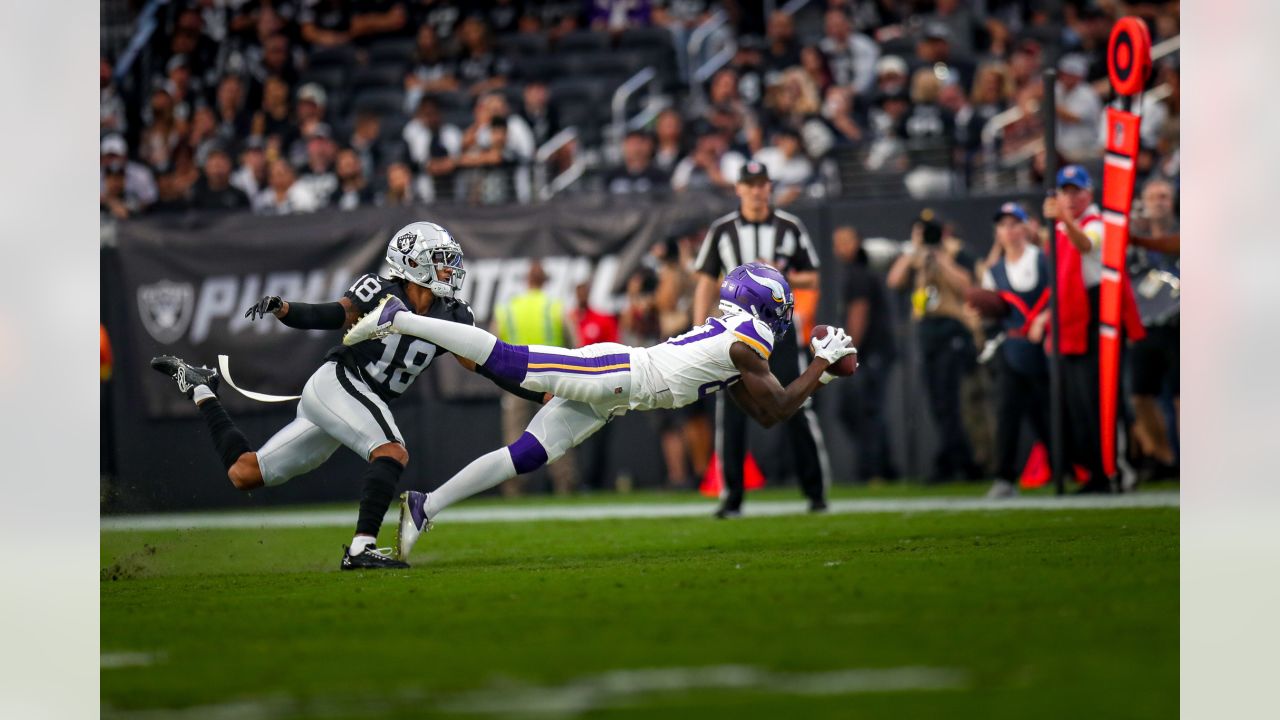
[590, 325]
[1079, 227]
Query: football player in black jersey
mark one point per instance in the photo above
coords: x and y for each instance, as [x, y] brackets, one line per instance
[345, 400]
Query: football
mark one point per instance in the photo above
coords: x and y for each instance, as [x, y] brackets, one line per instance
[988, 304]
[847, 364]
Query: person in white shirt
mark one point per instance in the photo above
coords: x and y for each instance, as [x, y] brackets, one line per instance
[1079, 111]
[789, 169]
[851, 55]
[283, 195]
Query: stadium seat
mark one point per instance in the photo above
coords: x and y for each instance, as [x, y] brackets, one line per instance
[602, 65]
[331, 77]
[393, 50]
[535, 67]
[652, 37]
[340, 55]
[382, 100]
[454, 100]
[583, 41]
[522, 45]
[375, 76]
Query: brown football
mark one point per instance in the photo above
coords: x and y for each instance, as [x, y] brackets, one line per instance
[847, 364]
[988, 304]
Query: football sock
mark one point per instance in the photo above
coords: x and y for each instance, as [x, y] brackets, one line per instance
[483, 473]
[359, 543]
[201, 393]
[465, 341]
[379, 481]
[227, 438]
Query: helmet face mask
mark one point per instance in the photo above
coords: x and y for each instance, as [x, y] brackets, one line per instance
[426, 254]
[761, 291]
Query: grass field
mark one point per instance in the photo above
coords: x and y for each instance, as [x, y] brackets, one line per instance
[983, 614]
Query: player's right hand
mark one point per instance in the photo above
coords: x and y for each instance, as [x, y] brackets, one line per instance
[264, 307]
[834, 346]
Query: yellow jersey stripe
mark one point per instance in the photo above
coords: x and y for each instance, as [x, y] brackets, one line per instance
[559, 366]
[759, 347]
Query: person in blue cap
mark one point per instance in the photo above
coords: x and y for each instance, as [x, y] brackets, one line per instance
[1020, 274]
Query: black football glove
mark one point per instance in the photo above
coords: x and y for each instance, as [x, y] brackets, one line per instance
[264, 307]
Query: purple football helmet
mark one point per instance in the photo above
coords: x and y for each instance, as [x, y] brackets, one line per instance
[760, 291]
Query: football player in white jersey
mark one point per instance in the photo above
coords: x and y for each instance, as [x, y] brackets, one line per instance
[593, 384]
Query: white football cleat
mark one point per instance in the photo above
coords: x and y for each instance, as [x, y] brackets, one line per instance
[413, 522]
[376, 323]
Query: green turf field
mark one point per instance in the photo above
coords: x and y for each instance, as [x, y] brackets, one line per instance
[1000, 614]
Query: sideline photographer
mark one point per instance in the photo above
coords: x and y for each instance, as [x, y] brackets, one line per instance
[939, 274]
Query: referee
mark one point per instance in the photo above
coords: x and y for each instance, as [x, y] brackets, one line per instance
[757, 232]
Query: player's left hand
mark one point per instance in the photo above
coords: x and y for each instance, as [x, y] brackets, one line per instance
[264, 307]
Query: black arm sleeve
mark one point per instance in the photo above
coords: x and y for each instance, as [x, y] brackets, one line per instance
[308, 316]
[511, 387]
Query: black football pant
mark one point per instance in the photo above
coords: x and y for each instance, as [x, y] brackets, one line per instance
[1021, 396]
[947, 349]
[862, 400]
[803, 434]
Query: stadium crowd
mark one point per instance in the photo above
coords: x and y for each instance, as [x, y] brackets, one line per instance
[289, 106]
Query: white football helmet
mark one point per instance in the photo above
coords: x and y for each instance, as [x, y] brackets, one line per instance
[419, 251]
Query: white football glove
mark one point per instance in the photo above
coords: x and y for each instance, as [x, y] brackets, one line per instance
[832, 347]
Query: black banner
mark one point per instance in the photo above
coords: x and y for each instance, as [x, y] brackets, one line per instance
[187, 280]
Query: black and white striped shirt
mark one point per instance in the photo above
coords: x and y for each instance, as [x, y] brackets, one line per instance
[780, 240]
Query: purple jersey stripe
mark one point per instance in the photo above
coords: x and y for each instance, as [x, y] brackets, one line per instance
[538, 358]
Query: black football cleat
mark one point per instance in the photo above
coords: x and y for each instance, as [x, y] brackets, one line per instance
[371, 558]
[818, 506]
[187, 376]
[728, 513]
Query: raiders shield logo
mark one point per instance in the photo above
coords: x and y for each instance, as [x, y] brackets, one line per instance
[404, 243]
[165, 309]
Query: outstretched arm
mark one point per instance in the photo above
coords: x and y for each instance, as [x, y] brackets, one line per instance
[761, 395]
[306, 316]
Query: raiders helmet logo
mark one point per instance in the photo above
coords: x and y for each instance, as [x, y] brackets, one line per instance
[165, 308]
[404, 243]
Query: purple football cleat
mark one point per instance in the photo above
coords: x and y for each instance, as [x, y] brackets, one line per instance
[376, 323]
[413, 522]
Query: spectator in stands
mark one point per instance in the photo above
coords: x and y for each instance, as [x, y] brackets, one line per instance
[111, 107]
[938, 275]
[364, 141]
[399, 192]
[748, 65]
[891, 75]
[992, 93]
[851, 55]
[816, 67]
[794, 102]
[434, 146]
[559, 17]
[888, 122]
[283, 195]
[637, 174]
[325, 23]
[538, 112]
[276, 60]
[934, 51]
[251, 176]
[680, 17]
[782, 51]
[175, 185]
[617, 15]
[726, 111]
[930, 134]
[139, 189]
[309, 111]
[274, 121]
[669, 133]
[867, 320]
[958, 19]
[179, 85]
[789, 169]
[479, 68]
[111, 198]
[710, 166]
[495, 173]
[214, 191]
[839, 112]
[433, 71]
[503, 16]
[203, 133]
[318, 178]
[1020, 273]
[442, 15]
[233, 120]
[519, 136]
[352, 190]
[162, 135]
[1079, 111]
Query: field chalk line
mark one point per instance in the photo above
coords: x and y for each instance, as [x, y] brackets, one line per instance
[623, 511]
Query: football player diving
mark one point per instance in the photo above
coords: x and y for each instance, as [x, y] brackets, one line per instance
[345, 400]
[596, 383]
